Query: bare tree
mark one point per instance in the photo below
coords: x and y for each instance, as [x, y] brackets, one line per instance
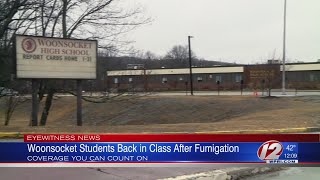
[8, 15]
[145, 55]
[9, 9]
[179, 55]
[151, 56]
[11, 99]
[104, 20]
[11, 103]
[95, 15]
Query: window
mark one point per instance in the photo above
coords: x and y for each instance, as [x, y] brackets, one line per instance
[130, 80]
[312, 77]
[164, 80]
[218, 78]
[115, 80]
[199, 79]
[238, 78]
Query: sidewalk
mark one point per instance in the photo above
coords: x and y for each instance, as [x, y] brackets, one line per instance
[244, 93]
[274, 92]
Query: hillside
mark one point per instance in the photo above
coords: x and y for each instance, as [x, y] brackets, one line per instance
[174, 114]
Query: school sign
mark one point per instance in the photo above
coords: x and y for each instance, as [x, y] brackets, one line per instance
[55, 58]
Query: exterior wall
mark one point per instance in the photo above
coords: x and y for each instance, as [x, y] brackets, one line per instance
[303, 79]
[178, 82]
[302, 67]
[298, 76]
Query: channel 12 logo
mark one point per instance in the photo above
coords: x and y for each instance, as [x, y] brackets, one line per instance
[270, 150]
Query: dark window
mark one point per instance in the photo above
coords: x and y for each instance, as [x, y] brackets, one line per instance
[312, 77]
[116, 80]
[218, 78]
[238, 78]
[164, 80]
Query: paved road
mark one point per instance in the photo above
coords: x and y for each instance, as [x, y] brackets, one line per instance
[296, 173]
[95, 173]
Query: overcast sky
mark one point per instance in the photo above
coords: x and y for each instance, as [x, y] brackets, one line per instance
[242, 31]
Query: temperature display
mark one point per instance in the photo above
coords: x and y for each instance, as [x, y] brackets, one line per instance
[277, 152]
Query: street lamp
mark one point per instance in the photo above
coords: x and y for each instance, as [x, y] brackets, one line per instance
[284, 50]
[190, 65]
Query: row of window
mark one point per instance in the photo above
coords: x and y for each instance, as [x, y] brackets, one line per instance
[296, 77]
[238, 78]
[200, 79]
[313, 77]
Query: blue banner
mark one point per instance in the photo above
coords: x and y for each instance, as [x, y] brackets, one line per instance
[267, 152]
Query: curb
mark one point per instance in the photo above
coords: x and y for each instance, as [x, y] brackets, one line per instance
[271, 131]
[11, 135]
[227, 174]
[210, 175]
[18, 135]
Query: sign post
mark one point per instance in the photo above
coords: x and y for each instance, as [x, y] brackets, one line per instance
[186, 83]
[263, 83]
[35, 103]
[79, 103]
[218, 83]
[241, 86]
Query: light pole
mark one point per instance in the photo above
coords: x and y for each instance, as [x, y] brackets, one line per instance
[190, 65]
[284, 50]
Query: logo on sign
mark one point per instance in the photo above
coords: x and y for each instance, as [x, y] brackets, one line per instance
[270, 150]
[29, 45]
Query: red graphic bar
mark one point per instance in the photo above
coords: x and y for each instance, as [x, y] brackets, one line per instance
[171, 137]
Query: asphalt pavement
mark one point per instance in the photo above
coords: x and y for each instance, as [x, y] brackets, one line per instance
[293, 173]
[122, 173]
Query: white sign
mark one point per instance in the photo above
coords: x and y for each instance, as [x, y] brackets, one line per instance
[39, 57]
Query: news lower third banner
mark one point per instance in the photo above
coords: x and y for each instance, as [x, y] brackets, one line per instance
[74, 149]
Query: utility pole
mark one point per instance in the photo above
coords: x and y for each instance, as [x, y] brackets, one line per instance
[190, 65]
[284, 51]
